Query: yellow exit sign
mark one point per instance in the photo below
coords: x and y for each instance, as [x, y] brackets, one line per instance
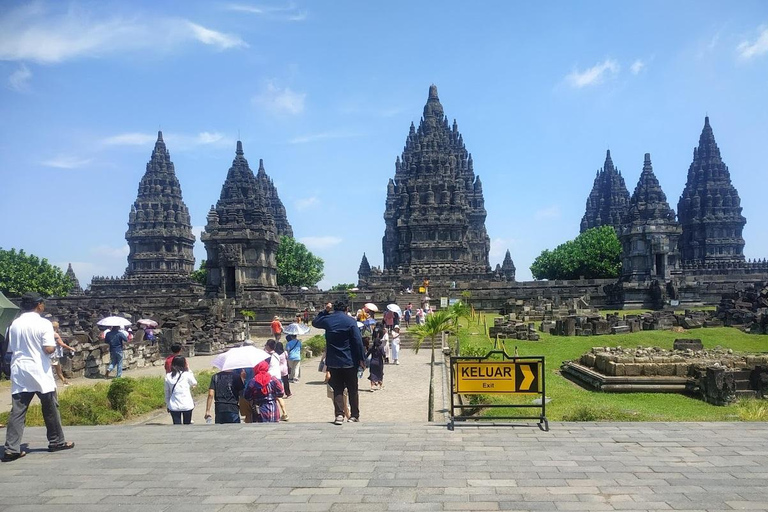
[476, 377]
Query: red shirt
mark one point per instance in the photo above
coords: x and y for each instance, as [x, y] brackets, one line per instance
[277, 327]
[168, 361]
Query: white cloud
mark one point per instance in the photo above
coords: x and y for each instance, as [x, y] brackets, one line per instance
[111, 252]
[748, 50]
[637, 67]
[499, 248]
[19, 79]
[66, 162]
[211, 37]
[130, 139]
[288, 13]
[548, 213]
[594, 75]
[320, 242]
[35, 33]
[303, 139]
[280, 101]
[209, 138]
[174, 141]
[308, 202]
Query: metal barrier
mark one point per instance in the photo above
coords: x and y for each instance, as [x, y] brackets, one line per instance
[508, 375]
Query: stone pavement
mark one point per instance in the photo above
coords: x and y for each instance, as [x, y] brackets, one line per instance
[397, 467]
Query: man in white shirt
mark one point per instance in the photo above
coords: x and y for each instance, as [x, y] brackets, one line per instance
[31, 340]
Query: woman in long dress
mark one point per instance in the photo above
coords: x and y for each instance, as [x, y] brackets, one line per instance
[376, 368]
[395, 344]
[263, 391]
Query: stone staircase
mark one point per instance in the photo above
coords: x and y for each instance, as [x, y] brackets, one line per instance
[744, 389]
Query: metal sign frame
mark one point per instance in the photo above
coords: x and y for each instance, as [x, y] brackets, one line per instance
[539, 360]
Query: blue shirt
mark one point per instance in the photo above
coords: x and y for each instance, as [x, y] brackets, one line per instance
[343, 343]
[294, 349]
[115, 339]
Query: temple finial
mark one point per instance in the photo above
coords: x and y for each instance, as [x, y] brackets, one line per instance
[433, 92]
[239, 150]
[160, 136]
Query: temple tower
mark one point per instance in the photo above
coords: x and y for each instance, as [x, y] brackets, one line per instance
[508, 267]
[159, 235]
[435, 210]
[650, 234]
[76, 288]
[710, 208]
[607, 202]
[273, 202]
[240, 238]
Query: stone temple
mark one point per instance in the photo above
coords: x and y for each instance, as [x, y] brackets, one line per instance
[273, 203]
[607, 202]
[435, 210]
[709, 208]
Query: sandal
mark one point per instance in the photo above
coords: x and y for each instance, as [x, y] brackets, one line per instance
[60, 447]
[11, 456]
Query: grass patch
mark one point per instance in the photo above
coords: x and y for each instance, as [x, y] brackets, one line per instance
[571, 402]
[108, 403]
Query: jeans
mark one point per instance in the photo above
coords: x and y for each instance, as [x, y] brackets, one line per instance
[295, 369]
[344, 378]
[116, 360]
[17, 420]
[179, 415]
[227, 417]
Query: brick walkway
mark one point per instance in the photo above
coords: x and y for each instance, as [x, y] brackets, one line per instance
[387, 466]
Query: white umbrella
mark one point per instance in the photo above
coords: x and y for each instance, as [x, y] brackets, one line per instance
[370, 306]
[360, 325]
[147, 322]
[114, 321]
[296, 329]
[239, 357]
[395, 309]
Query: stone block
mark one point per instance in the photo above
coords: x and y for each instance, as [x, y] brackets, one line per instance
[649, 369]
[632, 370]
[665, 369]
[688, 344]
[620, 329]
[610, 368]
[601, 327]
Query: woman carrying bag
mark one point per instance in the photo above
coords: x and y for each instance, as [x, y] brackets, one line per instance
[178, 391]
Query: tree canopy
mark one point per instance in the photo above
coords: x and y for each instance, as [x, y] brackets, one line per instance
[342, 286]
[200, 275]
[594, 254]
[21, 273]
[296, 265]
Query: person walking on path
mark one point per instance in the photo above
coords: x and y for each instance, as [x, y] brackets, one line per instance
[283, 355]
[32, 342]
[395, 345]
[178, 391]
[175, 352]
[225, 391]
[58, 354]
[376, 370]
[276, 371]
[293, 346]
[277, 328]
[344, 354]
[263, 391]
[116, 338]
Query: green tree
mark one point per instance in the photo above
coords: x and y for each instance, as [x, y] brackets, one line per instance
[200, 275]
[434, 324]
[342, 286]
[296, 266]
[594, 254]
[21, 273]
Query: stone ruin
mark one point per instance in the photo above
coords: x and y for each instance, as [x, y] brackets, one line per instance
[747, 310]
[718, 376]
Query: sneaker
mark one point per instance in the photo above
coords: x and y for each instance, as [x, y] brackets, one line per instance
[397, 362]
[354, 420]
[339, 420]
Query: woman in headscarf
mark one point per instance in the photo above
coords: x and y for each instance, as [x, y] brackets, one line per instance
[263, 391]
[376, 367]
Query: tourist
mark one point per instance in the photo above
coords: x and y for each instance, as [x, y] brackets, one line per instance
[298, 318]
[293, 346]
[306, 316]
[277, 328]
[389, 320]
[344, 354]
[175, 352]
[31, 340]
[395, 342]
[116, 338]
[225, 391]
[178, 391]
[264, 391]
[58, 354]
[283, 357]
[407, 316]
[419, 316]
[275, 371]
[376, 370]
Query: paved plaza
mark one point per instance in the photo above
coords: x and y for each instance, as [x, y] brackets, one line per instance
[389, 466]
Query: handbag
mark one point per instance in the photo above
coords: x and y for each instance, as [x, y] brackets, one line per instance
[321, 366]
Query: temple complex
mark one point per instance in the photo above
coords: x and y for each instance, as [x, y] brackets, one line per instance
[273, 203]
[159, 235]
[76, 288]
[507, 268]
[710, 208]
[608, 200]
[435, 210]
[650, 234]
[241, 238]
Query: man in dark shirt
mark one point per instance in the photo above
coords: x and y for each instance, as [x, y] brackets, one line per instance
[343, 355]
[225, 389]
[115, 338]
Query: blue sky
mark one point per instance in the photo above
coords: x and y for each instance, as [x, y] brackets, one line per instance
[325, 92]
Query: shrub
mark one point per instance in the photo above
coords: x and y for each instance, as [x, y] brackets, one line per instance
[598, 413]
[119, 390]
[316, 344]
[751, 409]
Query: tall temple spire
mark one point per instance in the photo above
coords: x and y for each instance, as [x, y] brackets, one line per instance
[240, 237]
[608, 200]
[434, 211]
[273, 203]
[159, 235]
[710, 207]
[76, 289]
[508, 267]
